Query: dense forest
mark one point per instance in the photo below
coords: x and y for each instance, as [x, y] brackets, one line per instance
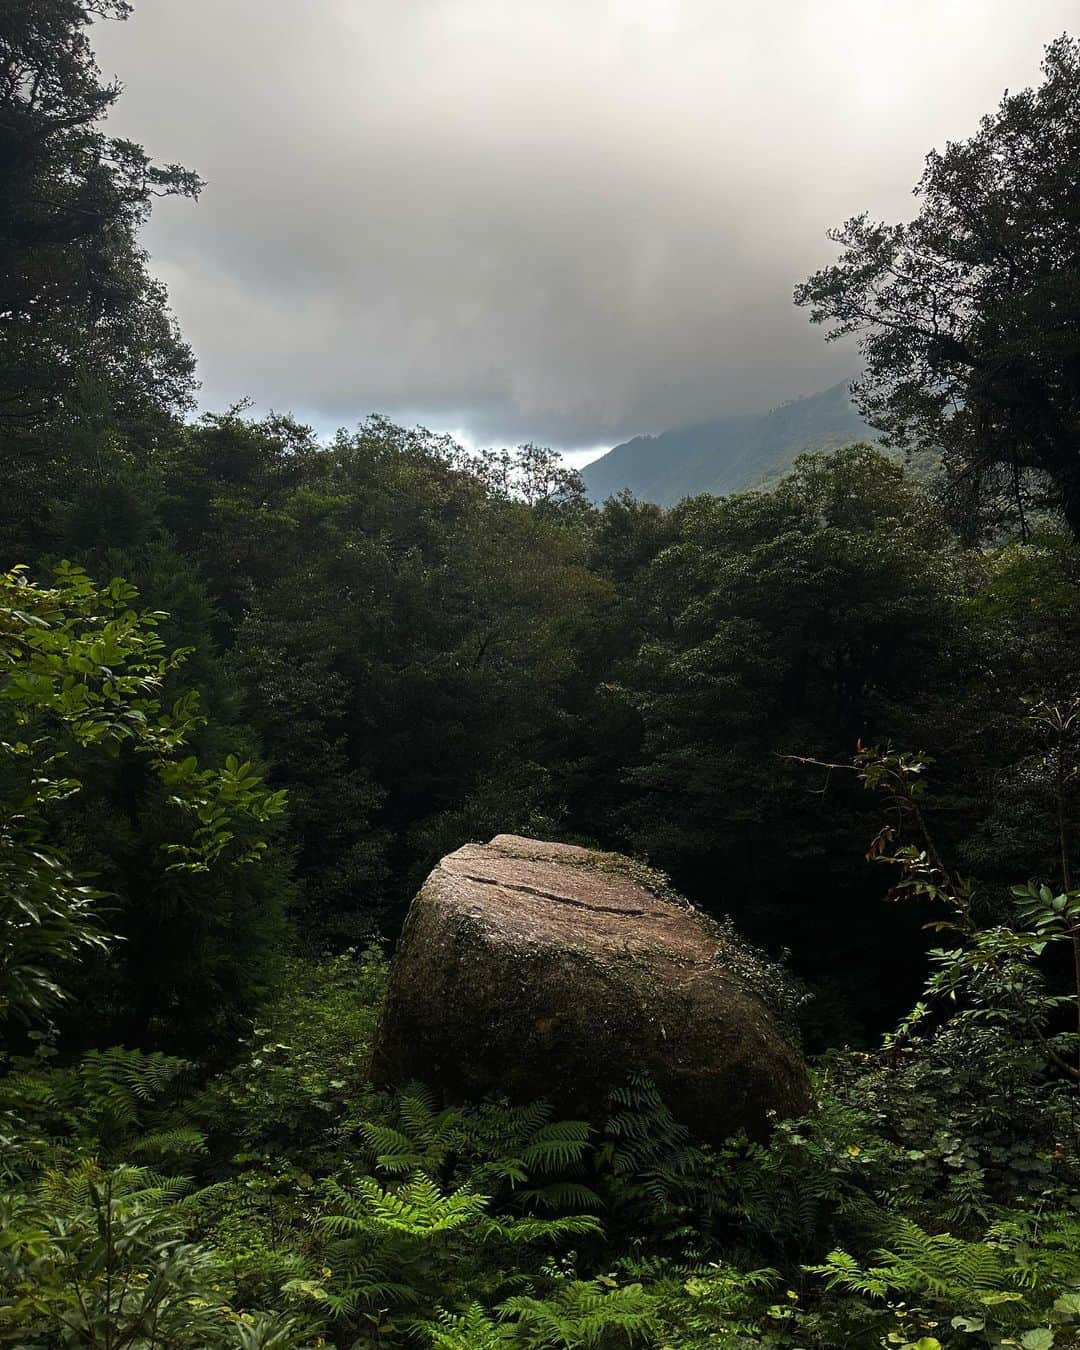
[254, 685]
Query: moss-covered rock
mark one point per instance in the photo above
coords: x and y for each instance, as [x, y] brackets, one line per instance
[549, 970]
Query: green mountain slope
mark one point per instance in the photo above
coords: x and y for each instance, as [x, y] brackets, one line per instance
[726, 454]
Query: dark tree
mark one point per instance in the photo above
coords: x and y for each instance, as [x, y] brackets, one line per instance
[77, 304]
[969, 315]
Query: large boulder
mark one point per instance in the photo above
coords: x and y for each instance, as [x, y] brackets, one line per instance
[549, 970]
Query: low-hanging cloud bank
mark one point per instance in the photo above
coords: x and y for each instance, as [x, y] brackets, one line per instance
[568, 221]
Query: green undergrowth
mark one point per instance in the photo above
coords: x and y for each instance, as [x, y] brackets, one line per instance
[929, 1200]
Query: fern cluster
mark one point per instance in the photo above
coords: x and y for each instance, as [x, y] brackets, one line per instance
[285, 1203]
[1021, 1281]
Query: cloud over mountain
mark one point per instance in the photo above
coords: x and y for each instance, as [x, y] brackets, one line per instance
[568, 221]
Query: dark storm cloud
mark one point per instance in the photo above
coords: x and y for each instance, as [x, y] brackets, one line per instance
[568, 221]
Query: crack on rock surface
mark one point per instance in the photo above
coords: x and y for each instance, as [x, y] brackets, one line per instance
[549, 895]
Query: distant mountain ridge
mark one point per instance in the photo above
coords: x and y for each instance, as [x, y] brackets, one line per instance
[726, 454]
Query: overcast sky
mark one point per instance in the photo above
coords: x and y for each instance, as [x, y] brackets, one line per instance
[567, 221]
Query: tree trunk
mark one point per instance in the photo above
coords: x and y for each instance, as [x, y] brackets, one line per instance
[1070, 500]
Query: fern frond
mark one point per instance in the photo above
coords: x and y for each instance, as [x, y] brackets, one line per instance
[582, 1313]
[540, 1230]
[181, 1141]
[470, 1330]
[563, 1195]
[556, 1146]
[394, 1152]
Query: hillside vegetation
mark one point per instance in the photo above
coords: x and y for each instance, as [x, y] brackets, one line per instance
[726, 454]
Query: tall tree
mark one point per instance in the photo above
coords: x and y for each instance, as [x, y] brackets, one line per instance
[84, 328]
[75, 296]
[969, 315]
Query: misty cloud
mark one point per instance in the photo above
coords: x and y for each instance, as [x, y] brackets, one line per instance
[567, 221]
